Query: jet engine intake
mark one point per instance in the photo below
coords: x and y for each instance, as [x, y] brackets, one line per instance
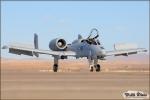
[57, 44]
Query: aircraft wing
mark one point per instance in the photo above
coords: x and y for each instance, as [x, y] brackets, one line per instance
[125, 52]
[30, 51]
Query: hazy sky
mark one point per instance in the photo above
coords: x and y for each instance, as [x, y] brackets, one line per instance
[117, 21]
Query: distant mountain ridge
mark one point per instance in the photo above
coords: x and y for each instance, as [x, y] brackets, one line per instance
[139, 58]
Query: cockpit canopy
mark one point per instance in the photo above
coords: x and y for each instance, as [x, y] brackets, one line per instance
[92, 38]
[94, 34]
[93, 42]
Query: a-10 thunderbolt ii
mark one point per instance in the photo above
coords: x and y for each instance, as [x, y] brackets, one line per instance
[91, 48]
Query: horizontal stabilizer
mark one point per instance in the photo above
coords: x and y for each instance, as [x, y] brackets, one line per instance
[125, 52]
[125, 46]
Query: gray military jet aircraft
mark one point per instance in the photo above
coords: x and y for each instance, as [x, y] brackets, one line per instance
[91, 48]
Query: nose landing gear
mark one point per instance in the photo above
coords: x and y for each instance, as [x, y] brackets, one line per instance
[93, 64]
[97, 68]
[91, 68]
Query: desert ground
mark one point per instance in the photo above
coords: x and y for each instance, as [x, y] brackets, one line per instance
[34, 79]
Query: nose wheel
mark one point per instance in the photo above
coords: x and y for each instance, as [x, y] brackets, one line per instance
[91, 68]
[93, 64]
[97, 68]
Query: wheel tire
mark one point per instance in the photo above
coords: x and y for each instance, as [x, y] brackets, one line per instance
[98, 68]
[91, 69]
[55, 67]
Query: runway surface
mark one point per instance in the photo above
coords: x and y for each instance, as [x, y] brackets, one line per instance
[71, 85]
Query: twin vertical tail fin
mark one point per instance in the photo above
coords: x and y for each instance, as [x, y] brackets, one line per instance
[79, 37]
[36, 41]
[36, 44]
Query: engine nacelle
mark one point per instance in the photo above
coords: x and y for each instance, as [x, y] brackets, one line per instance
[58, 44]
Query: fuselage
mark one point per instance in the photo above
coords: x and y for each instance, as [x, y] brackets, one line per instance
[85, 49]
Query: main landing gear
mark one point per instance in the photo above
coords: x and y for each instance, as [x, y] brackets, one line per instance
[55, 66]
